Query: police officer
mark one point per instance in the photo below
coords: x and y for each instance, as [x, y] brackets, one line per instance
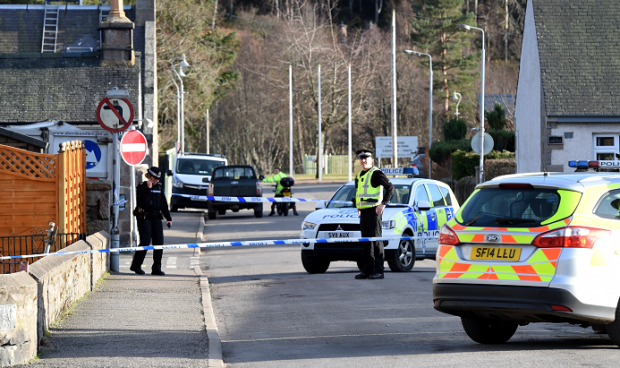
[151, 199]
[370, 202]
[276, 179]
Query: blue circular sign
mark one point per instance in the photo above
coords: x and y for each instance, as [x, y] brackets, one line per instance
[93, 154]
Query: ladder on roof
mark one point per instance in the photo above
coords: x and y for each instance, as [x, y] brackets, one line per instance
[50, 26]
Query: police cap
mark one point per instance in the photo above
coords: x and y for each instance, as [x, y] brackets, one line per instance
[363, 153]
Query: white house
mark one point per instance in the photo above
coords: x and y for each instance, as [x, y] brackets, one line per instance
[568, 95]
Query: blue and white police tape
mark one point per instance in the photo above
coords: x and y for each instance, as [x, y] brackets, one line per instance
[214, 245]
[264, 199]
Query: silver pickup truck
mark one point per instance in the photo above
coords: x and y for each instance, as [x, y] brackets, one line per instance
[234, 181]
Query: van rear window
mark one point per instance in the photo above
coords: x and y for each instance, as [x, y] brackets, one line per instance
[229, 173]
[514, 207]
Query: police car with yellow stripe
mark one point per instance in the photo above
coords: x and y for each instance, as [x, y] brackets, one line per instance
[418, 208]
[533, 248]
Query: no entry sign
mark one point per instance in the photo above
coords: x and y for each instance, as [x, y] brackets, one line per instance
[115, 115]
[133, 147]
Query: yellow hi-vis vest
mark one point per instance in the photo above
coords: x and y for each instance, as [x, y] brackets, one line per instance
[276, 179]
[366, 195]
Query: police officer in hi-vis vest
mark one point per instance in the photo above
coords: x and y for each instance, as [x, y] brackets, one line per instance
[370, 202]
[277, 176]
[152, 201]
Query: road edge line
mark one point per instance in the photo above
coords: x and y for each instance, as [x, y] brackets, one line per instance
[200, 234]
[214, 350]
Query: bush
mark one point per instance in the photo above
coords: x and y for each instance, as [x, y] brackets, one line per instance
[464, 163]
[442, 150]
[496, 117]
[454, 129]
[504, 140]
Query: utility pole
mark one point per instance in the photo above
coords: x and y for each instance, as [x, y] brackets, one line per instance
[290, 113]
[208, 131]
[394, 132]
[319, 161]
[506, 31]
[350, 148]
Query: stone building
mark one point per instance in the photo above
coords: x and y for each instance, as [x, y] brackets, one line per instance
[63, 73]
[568, 102]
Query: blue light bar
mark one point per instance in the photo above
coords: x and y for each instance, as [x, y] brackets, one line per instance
[572, 163]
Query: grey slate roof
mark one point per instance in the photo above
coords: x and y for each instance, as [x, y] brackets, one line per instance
[21, 28]
[579, 47]
[37, 87]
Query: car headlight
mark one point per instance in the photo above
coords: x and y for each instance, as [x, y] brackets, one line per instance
[177, 183]
[307, 225]
[388, 224]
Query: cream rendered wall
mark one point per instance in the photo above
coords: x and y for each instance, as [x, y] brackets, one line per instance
[527, 111]
[581, 146]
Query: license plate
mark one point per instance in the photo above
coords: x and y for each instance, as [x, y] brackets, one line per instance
[287, 194]
[496, 253]
[340, 234]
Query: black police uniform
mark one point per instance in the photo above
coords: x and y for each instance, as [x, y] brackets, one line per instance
[370, 226]
[150, 227]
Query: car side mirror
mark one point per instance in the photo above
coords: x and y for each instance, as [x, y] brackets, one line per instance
[261, 178]
[615, 204]
[424, 206]
[319, 205]
[168, 172]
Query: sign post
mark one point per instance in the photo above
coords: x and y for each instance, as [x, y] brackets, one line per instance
[115, 114]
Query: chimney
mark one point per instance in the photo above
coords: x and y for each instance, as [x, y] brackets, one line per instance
[342, 33]
[117, 31]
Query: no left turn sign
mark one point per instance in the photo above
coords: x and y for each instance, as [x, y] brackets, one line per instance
[115, 115]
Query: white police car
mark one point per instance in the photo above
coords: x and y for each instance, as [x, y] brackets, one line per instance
[418, 208]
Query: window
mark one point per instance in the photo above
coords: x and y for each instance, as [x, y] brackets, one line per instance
[608, 206]
[234, 173]
[421, 195]
[606, 146]
[192, 166]
[446, 195]
[436, 195]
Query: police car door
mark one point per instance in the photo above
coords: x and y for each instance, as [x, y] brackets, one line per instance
[439, 214]
[424, 243]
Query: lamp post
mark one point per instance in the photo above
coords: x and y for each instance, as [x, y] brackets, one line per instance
[469, 28]
[430, 106]
[457, 97]
[180, 73]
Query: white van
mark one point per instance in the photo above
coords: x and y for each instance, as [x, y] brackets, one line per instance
[191, 175]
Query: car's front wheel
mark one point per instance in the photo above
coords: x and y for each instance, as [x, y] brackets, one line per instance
[403, 258]
[486, 331]
[312, 264]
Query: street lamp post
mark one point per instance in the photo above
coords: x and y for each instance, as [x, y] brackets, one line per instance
[468, 28]
[430, 107]
[457, 97]
[180, 73]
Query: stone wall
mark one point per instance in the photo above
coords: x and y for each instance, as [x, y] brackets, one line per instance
[18, 314]
[62, 280]
[97, 206]
[100, 261]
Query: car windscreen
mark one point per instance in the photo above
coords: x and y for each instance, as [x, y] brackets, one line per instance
[510, 207]
[193, 166]
[237, 173]
[347, 193]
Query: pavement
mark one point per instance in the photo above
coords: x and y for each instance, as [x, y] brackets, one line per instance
[142, 320]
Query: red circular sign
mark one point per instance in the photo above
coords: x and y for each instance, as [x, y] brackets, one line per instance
[133, 147]
[115, 115]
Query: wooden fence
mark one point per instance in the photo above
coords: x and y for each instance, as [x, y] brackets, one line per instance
[36, 189]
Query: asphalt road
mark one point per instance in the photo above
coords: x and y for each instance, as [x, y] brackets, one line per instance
[271, 313]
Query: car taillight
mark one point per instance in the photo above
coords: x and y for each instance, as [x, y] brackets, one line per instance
[259, 189]
[211, 189]
[447, 236]
[570, 237]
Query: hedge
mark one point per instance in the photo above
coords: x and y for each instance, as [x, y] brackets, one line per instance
[442, 150]
[504, 140]
[464, 163]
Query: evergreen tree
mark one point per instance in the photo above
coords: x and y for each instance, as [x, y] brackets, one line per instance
[436, 31]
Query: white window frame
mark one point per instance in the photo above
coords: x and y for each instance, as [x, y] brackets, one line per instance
[606, 149]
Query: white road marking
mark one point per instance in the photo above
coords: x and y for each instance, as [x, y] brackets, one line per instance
[171, 262]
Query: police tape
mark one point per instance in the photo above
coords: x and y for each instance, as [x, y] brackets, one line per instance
[215, 245]
[267, 199]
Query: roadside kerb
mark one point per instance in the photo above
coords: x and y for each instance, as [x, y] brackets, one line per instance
[213, 336]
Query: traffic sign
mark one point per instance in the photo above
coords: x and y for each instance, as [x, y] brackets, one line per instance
[115, 115]
[133, 147]
[407, 146]
[488, 143]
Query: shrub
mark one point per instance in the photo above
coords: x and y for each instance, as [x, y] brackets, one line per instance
[496, 117]
[442, 150]
[464, 163]
[454, 129]
[504, 140]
